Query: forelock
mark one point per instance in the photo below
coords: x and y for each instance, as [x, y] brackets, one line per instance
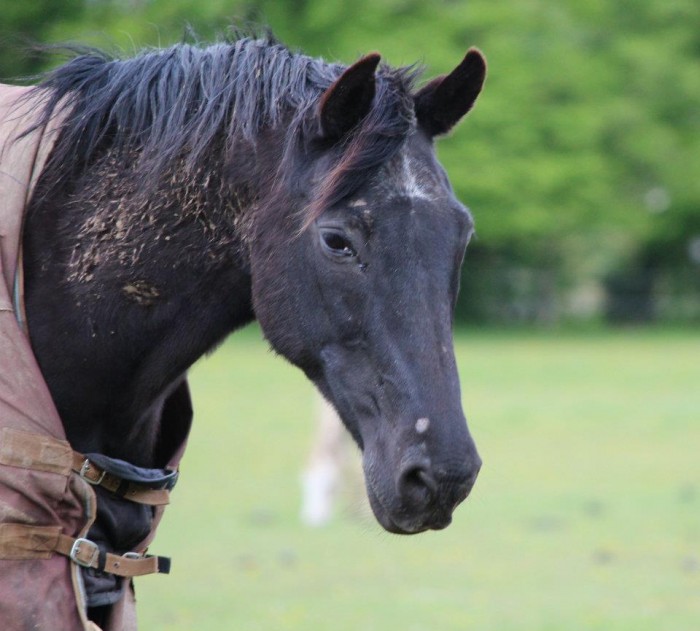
[378, 138]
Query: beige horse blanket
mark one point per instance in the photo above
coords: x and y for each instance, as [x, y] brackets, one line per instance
[37, 487]
[42, 497]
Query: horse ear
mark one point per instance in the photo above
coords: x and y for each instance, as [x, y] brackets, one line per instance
[349, 99]
[441, 103]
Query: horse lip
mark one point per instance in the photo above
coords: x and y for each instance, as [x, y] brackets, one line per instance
[394, 528]
[391, 526]
[381, 513]
[432, 523]
[440, 521]
[383, 516]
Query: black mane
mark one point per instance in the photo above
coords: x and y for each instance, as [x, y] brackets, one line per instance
[182, 102]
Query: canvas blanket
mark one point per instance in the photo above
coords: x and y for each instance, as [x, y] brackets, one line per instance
[41, 590]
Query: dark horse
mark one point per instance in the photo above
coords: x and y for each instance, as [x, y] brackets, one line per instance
[192, 190]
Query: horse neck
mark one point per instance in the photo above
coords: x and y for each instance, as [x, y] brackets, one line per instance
[133, 291]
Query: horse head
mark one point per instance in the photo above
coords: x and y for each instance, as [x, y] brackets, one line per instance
[361, 290]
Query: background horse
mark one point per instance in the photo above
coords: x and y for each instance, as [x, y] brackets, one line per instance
[328, 467]
[192, 190]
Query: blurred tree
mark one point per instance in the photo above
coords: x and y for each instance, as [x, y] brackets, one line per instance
[580, 161]
[26, 23]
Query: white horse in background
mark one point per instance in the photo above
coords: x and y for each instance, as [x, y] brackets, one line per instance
[331, 466]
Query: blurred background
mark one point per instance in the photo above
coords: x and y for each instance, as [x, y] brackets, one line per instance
[581, 161]
[581, 164]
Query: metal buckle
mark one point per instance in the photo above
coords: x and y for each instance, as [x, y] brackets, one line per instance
[133, 555]
[83, 474]
[75, 551]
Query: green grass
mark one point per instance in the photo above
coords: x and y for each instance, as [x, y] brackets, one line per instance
[586, 514]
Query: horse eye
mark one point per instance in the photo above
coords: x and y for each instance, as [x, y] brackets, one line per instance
[337, 244]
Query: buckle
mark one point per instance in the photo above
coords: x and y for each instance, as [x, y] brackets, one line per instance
[133, 555]
[79, 545]
[84, 471]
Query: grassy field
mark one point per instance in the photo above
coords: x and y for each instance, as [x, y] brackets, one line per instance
[586, 514]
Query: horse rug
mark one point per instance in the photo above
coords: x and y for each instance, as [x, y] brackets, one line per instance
[50, 571]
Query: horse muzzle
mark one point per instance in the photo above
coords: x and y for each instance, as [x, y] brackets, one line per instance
[423, 497]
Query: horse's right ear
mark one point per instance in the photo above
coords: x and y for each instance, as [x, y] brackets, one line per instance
[441, 103]
[349, 99]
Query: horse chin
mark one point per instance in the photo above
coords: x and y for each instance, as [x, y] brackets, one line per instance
[404, 525]
[385, 520]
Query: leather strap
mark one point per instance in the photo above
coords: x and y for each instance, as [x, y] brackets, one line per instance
[45, 453]
[22, 541]
[39, 452]
[131, 491]
[86, 553]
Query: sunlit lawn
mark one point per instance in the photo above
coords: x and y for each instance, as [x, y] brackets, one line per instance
[586, 514]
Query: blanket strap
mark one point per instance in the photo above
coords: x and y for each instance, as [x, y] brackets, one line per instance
[87, 553]
[131, 491]
[24, 541]
[45, 453]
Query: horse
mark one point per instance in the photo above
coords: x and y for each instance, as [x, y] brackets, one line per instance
[327, 466]
[193, 189]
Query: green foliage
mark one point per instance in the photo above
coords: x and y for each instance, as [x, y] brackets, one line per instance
[582, 156]
[24, 23]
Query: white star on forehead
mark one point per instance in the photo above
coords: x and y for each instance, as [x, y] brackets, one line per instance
[408, 177]
[409, 184]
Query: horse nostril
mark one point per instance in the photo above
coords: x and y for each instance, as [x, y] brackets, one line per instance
[428, 481]
[417, 485]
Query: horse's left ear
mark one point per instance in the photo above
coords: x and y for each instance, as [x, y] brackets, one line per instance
[349, 99]
[441, 103]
